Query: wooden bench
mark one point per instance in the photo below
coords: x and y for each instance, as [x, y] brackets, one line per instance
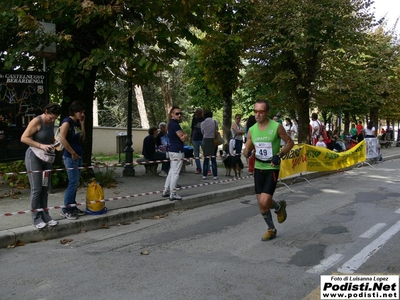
[185, 163]
[385, 143]
[150, 168]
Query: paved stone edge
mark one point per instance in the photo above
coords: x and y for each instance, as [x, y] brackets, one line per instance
[29, 234]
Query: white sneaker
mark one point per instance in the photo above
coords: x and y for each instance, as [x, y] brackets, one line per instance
[68, 215]
[215, 178]
[52, 223]
[163, 174]
[41, 225]
[174, 196]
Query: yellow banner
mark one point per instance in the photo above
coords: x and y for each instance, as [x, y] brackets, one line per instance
[306, 158]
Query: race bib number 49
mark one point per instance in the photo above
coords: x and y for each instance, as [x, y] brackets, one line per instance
[263, 151]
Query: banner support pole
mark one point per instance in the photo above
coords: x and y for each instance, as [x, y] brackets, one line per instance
[302, 177]
[280, 181]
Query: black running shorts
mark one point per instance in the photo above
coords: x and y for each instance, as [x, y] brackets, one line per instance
[265, 181]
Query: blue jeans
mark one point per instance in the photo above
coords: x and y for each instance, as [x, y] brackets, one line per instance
[73, 181]
[206, 166]
[206, 162]
[196, 150]
[238, 146]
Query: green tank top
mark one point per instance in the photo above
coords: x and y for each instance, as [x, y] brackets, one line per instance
[266, 143]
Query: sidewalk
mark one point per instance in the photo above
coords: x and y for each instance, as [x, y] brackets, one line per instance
[132, 198]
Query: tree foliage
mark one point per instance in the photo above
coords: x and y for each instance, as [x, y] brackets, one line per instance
[138, 38]
[297, 54]
[290, 39]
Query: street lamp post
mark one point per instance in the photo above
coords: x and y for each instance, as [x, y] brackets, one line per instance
[340, 110]
[128, 167]
[340, 119]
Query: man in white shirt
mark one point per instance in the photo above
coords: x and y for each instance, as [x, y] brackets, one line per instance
[315, 125]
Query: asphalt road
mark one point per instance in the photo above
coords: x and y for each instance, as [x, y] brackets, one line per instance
[344, 223]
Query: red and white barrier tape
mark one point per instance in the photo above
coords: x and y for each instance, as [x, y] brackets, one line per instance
[97, 166]
[120, 198]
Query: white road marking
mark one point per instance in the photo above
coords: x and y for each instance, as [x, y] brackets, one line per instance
[374, 229]
[397, 211]
[325, 264]
[357, 260]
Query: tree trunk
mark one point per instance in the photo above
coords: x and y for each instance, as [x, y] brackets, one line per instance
[227, 118]
[346, 122]
[303, 107]
[144, 121]
[373, 115]
[167, 96]
[86, 95]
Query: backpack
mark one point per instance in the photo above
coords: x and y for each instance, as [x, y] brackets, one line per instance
[95, 193]
[322, 130]
[60, 146]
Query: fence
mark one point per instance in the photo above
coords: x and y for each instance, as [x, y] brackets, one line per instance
[105, 139]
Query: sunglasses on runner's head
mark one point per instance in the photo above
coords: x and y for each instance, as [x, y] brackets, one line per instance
[261, 111]
[178, 113]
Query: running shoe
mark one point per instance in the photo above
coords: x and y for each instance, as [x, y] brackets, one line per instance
[269, 235]
[281, 213]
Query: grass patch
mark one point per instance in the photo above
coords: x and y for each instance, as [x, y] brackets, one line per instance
[101, 157]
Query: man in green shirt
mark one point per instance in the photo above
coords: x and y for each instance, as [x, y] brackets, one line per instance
[265, 138]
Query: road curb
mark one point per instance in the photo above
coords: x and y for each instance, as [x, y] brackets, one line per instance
[28, 234]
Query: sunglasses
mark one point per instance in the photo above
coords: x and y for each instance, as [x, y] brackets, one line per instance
[178, 113]
[261, 112]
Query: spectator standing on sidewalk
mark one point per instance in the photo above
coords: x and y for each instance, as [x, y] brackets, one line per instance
[359, 127]
[265, 138]
[370, 131]
[208, 128]
[279, 116]
[353, 131]
[288, 127]
[360, 132]
[176, 154]
[315, 128]
[72, 135]
[237, 132]
[196, 137]
[250, 159]
[40, 134]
